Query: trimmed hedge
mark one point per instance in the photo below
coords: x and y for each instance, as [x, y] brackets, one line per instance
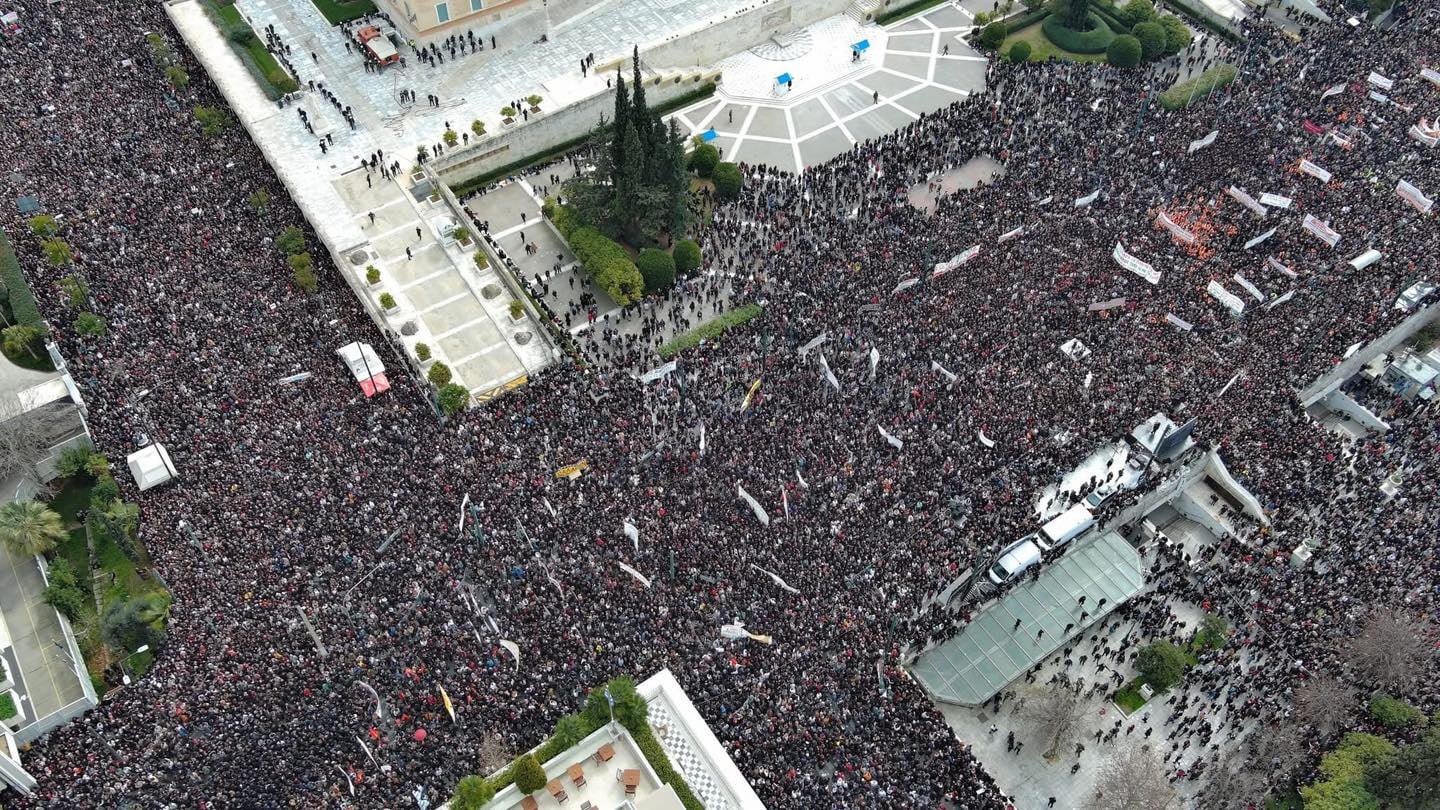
[728, 181]
[608, 265]
[1125, 51]
[1111, 17]
[710, 329]
[657, 268]
[688, 257]
[1026, 20]
[561, 216]
[480, 181]
[907, 10]
[1180, 95]
[22, 301]
[1096, 40]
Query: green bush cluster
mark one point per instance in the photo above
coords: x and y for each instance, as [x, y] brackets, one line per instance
[453, 398]
[1343, 769]
[1197, 89]
[64, 592]
[1019, 52]
[7, 706]
[657, 268]
[1028, 19]
[1162, 664]
[1124, 51]
[704, 159]
[1393, 712]
[687, 257]
[1096, 40]
[728, 181]
[561, 216]
[608, 265]
[709, 329]
[1207, 20]
[22, 301]
[993, 34]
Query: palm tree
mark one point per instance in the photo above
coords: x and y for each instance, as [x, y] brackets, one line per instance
[29, 528]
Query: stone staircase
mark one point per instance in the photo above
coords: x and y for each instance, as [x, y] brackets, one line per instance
[863, 11]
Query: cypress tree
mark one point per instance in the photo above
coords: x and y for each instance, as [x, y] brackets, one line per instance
[629, 188]
[640, 114]
[622, 122]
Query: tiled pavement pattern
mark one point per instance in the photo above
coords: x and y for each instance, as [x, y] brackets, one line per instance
[836, 102]
[686, 758]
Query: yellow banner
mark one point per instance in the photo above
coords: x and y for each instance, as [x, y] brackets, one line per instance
[573, 471]
[449, 707]
[749, 395]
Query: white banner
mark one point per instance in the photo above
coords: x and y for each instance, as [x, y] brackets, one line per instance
[1240, 196]
[798, 477]
[829, 375]
[1008, 235]
[775, 578]
[1430, 75]
[632, 532]
[1134, 265]
[1424, 134]
[1100, 306]
[639, 577]
[514, 650]
[1250, 288]
[1414, 196]
[656, 373]
[874, 360]
[934, 366]
[1322, 230]
[905, 285]
[1274, 264]
[1340, 140]
[815, 341]
[1261, 238]
[1185, 326]
[894, 442]
[1378, 96]
[1202, 142]
[944, 267]
[985, 440]
[1334, 90]
[1282, 299]
[1380, 81]
[1174, 229]
[1275, 200]
[1081, 202]
[1306, 167]
[1231, 301]
[760, 513]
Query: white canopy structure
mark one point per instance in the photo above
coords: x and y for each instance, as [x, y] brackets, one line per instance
[150, 466]
[366, 367]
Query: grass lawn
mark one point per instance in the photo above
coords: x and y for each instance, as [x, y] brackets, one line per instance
[342, 12]
[1041, 48]
[1129, 697]
[261, 63]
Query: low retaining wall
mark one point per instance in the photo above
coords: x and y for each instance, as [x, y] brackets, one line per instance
[711, 41]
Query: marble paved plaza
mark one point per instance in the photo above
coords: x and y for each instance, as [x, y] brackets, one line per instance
[912, 67]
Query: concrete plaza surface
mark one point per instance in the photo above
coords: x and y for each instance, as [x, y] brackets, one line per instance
[917, 66]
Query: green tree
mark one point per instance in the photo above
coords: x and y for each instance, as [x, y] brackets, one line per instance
[704, 159]
[422, 351]
[1152, 39]
[677, 182]
[451, 137]
[73, 461]
[622, 123]
[472, 793]
[687, 257]
[630, 709]
[1124, 51]
[517, 309]
[259, 201]
[478, 127]
[728, 181]
[1019, 52]
[534, 100]
[1410, 778]
[628, 191]
[1393, 712]
[291, 241]
[43, 226]
[1177, 34]
[454, 397]
[657, 268]
[1162, 664]
[302, 269]
[20, 338]
[75, 289]
[1212, 632]
[529, 774]
[57, 252]
[89, 324]
[29, 528]
[1075, 14]
[1137, 11]
[640, 116]
[570, 730]
[128, 624]
[64, 593]
[213, 121]
[439, 374]
[992, 35]
[372, 275]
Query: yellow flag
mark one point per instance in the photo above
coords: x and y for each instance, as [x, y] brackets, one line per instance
[449, 707]
[749, 395]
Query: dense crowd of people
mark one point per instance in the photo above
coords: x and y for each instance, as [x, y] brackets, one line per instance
[291, 490]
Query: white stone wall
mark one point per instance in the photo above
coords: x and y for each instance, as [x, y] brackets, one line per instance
[710, 43]
[552, 128]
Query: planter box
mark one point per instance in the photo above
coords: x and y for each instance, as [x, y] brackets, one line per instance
[507, 122]
[19, 717]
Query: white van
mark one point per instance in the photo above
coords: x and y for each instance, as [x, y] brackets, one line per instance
[1021, 554]
[1065, 527]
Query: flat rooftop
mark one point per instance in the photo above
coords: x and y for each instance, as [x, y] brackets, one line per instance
[990, 652]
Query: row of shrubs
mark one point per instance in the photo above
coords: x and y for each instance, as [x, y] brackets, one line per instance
[527, 772]
[22, 301]
[607, 264]
[262, 64]
[906, 10]
[1183, 94]
[709, 330]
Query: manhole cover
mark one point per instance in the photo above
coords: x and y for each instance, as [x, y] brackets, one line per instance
[358, 258]
[490, 291]
[523, 337]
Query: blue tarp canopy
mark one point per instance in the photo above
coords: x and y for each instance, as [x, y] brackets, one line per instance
[708, 135]
[783, 78]
[862, 45]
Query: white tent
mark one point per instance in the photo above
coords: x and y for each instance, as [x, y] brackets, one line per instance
[150, 466]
